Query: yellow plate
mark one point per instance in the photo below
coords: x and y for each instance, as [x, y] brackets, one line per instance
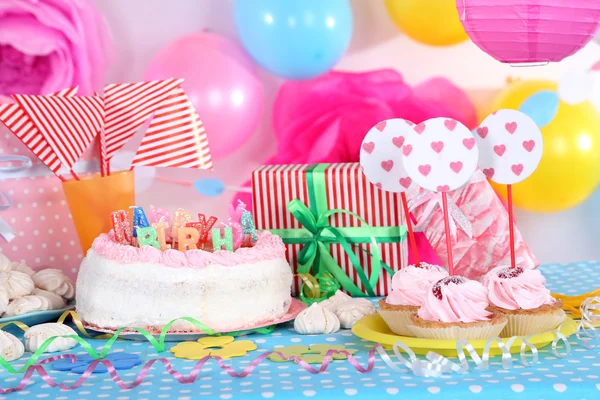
[374, 329]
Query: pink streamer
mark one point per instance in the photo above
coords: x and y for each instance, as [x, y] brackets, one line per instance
[191, 378]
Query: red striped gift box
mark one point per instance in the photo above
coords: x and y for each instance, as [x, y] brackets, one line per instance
[346, 187]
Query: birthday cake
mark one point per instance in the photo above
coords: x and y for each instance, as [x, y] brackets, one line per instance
[124, 285]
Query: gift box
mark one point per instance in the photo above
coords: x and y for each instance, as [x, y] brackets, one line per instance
[333, 220]
[479, 225]
[36, 211]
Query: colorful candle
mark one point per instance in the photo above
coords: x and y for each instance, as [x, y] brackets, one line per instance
[121, 226]
[203, 226]
[180, 218]
[187, 238]
[147, 236]
[161, 234]
[238, 234]
[222, 241]
[159, 214]
[247, 222]
[139, 220]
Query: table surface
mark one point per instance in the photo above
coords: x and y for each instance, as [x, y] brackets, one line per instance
[576, 376]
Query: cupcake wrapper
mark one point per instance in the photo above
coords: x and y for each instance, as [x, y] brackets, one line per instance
[529, 324]
[458, 332]
[398, 321]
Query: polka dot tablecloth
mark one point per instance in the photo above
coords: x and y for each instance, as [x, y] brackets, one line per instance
[576, 376]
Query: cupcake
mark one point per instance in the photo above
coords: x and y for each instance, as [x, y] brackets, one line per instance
[522, 296]
[456, 308]
[409, 286]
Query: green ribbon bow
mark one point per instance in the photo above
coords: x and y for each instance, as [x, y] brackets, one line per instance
[317, 234]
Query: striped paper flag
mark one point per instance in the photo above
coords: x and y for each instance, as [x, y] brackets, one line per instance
[19, 123]
[69, 124]
[175, 137]
[129, 105]
[346, 187]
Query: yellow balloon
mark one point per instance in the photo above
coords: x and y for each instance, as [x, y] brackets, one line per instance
[570, 167]
[433, 22]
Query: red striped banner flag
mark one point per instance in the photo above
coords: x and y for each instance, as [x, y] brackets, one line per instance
[19, 123]
[273, 186]
[175, 137]
[129, 105]
[69, 124]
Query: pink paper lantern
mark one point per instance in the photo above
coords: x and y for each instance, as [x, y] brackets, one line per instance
[530, 31]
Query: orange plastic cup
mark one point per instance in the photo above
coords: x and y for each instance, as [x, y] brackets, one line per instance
[93, 198]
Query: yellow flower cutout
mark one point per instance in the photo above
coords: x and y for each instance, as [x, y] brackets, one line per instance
[315, 354]
[222, 346]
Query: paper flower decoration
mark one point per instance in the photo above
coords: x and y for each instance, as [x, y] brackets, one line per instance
[119, 361]
[48, 45]
[221, 346]
[522, 31]
[315, 354]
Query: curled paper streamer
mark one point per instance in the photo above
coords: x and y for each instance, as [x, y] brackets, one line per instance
[317, 288]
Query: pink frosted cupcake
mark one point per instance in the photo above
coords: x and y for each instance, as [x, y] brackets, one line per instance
[522, 296]
[456, 308]
[409, 286]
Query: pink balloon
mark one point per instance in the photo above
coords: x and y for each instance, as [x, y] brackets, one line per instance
[221, 83]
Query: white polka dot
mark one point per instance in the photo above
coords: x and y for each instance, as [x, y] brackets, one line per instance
[392, 391]
[331, 339]
[350, 392]
[475, 388]
[267, 395]
[433, 389]
[260, 341]
[295, 340]
[309, 393]
[226, 396]
[42, 395]
[559, 387]
[517, 388]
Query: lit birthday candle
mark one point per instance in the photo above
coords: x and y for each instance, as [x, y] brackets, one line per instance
[121, 226]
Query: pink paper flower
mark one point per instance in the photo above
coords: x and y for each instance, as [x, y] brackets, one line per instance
[48, 45]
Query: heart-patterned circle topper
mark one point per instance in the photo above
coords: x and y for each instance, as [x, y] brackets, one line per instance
[510, 146]
[381, 155]
[444, 154]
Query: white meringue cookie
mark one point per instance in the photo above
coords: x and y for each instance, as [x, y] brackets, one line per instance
[38, 334]
[316, 320]
[24, 268]
[55, 281]
[17, 284]
[4, 263]
[26, 305]
[3, 299]
[11, 348]
[354, 310]
[335, 301]
[56, 301]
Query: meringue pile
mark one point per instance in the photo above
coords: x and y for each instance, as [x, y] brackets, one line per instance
[11, 348]
[23, 291]
[328, 316]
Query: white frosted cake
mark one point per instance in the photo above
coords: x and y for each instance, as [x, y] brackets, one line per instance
[121, 285]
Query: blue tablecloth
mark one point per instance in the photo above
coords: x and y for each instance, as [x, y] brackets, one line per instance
[576, 376]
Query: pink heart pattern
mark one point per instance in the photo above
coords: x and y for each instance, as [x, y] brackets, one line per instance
[500, 149]
[420, 128]
[437, 146]
[511, 127]
[406, 150]
[398, 141]
[381, 126]
[387, 165]
[443, 188]
[517, 169]
[425, 169]
[456, 166]
[368, 147]
[405, 182]
[489, 172]
[450, 124]
[482, 131]
[469, 143]
[528, 145]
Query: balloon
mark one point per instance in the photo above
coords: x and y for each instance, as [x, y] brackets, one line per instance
[541, 107]
[221, 83]
[210, 187]
[433, 22]
[294, 39]
[570, 168]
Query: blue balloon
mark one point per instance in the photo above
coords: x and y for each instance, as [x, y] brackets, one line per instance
[210, 187]
[294, 39]
[541, 107]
